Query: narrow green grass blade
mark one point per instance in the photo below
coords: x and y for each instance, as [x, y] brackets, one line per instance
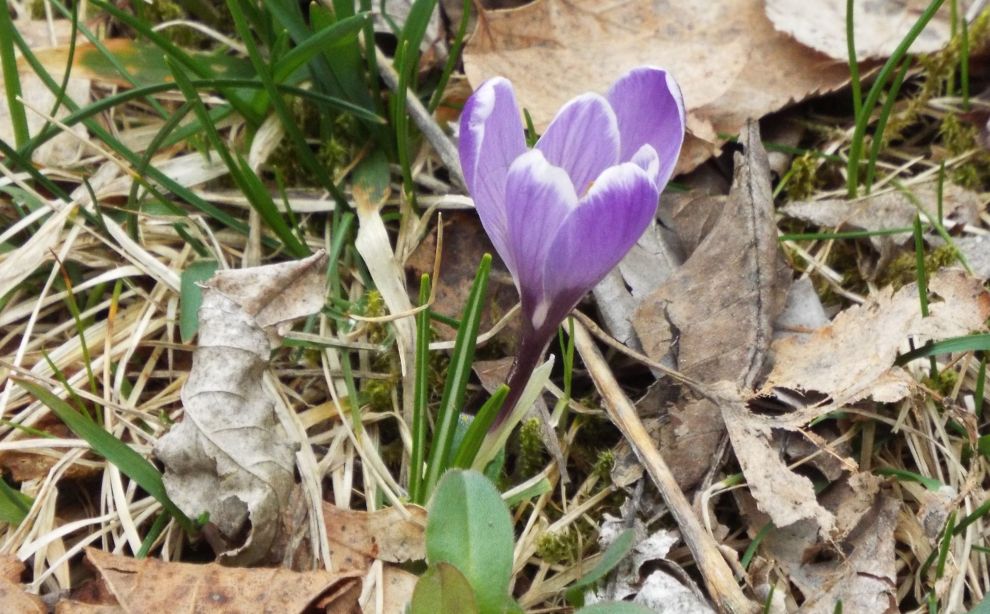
[453, 57]
[981, 378]
[458, 374]
[967, 343]
[854, 82]
[478, 429]
[296, 137]
[866, 112]
[153, 533]
[116, 452]
[885, 111]
[421, 393]
[12, 79]
[245, 178]
[334, 36]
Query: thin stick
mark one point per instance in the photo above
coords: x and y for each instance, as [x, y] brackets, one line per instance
[718, 575]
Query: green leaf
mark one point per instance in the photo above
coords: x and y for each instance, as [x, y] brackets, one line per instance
[613, 555]
[330, 38]
[191, 296]
[14, 504]
[615, 607]
[118, 453]
[443, 590]
[458, 374]
[470, 528]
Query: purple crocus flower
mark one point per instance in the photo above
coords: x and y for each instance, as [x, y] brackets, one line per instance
[563, 214]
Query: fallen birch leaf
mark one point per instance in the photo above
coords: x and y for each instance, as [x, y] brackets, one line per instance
[880, 26]
[715, 315]
[230, 456]
[359, 538]
[583, 45]
[151, 585]
[836, 361]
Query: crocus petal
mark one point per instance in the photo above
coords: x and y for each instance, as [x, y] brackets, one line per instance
[583, 139]
[648, 160]
[491, 138]
[597, 234]
[650, 110]
[539, 197]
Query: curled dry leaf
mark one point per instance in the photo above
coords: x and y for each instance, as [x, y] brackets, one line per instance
[715, 315]
[151, 585]
[836, 362]
[582, 45]
[880, 25]
[230, 456]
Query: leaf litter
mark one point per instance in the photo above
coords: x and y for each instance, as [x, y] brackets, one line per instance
[881, 528]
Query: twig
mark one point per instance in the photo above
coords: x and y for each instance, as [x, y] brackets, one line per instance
[718, 576]
[424, 121]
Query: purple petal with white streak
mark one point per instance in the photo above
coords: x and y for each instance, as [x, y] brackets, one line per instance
[583, 139]
[491, 138]
[539, 197]
[598, 233]
[650, 110]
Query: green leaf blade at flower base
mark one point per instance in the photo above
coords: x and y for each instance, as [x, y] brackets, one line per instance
[470, 528]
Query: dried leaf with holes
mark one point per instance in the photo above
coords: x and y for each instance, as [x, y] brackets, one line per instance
[230, 456]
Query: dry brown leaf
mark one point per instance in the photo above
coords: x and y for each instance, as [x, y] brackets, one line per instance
[862, 573]
[716, 312]
[151, 585]
[880, 25]
[720, 306]
[13, 598]
[780, 493]
[464, 243]
[359, 538]
[230, 456]
[890, 209]
[729, 60]
[835, 360]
